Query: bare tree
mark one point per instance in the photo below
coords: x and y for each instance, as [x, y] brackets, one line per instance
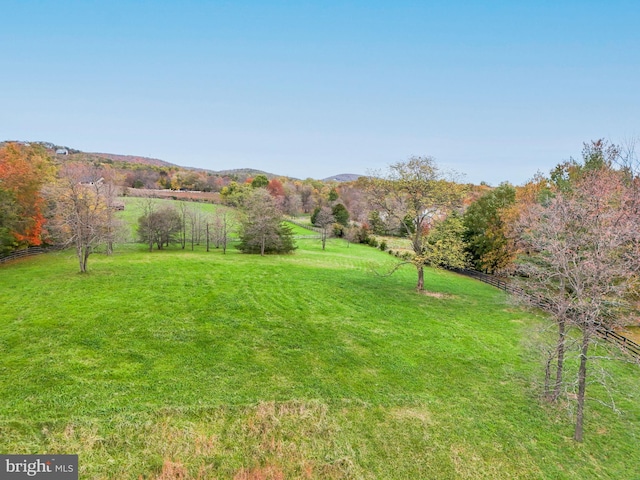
[583, 253]
[220, 228]
[183, 209]
[84, 210]
[114, 226]
[415, 194]
[325, 220]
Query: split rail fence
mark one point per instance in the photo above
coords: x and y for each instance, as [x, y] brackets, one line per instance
[606, 333]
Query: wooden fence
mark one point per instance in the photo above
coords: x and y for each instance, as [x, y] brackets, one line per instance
[300, 224]
[27, 252]
[503, 284]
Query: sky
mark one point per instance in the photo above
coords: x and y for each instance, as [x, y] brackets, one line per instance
[494, 90]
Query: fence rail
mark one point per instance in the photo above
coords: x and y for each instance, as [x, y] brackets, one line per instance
[503, 284]
[27, 252]
[302, 225]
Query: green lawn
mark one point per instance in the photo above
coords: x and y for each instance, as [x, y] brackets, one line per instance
[180, 364]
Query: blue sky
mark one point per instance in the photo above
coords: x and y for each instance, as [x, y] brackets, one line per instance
[494, 90]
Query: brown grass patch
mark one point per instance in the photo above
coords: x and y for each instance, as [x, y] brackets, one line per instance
[269, 472]
[436, 294]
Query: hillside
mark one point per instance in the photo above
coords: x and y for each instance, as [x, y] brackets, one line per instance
[135, 159]
[96, 157]
[342, 177]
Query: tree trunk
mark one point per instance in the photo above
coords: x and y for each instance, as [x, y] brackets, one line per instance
[262, 246]
[420, 285]
[80, 258]
[224, 239]
[207, 237]
[547, 378]
[87, 252]
[562, 333]
[582, 384]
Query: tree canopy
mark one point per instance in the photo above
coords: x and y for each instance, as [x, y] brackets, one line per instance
[415, 194]
[262, 229]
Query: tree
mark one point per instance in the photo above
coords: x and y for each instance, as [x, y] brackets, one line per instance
[324, 219]
[314, 215]
[234, 194]
[339, 211]
[8, 220]
[275, 188]
[417, 190]
[261, 229]
[260, 181]
[444, 246]
[582, 252]
[159, 225]
[84, 216]
[24, 170]
[487, 242]
[220, 228]
[109, 192]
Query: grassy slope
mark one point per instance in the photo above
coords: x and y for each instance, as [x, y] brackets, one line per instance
[193, 362]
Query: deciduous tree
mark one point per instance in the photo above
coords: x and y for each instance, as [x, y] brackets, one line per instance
[324, 220]
[84, 216]
[24, 170]
[159, 225]
[220, 228]
[261, 229]
[415, 189]
[489, 246]
[582, 255]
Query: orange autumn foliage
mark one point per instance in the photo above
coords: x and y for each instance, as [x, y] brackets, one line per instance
[275, 188]
[23, 172]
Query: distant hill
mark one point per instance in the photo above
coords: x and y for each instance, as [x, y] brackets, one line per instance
[135, 159]
[72, 154]
[246, 172]
[343, 177]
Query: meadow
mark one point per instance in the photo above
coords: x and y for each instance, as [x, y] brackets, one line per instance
[194, 364]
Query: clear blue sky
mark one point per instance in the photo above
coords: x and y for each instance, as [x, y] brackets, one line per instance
[496, 90]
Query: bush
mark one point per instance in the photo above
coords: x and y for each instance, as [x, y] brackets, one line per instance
[314, 215]
[362, 234]
[383, 245]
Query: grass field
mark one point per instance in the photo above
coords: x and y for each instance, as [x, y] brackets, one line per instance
[180, 364]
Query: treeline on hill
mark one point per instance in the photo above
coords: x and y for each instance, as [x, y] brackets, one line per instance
[448, 223]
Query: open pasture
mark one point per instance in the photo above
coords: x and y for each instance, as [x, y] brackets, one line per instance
[181, 364]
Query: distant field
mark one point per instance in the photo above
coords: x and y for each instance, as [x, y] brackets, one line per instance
[134, 210]
[175, 194]
[180, 364]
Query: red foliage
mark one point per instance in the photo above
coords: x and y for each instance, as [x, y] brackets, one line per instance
[275, 188]
[23, 172]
